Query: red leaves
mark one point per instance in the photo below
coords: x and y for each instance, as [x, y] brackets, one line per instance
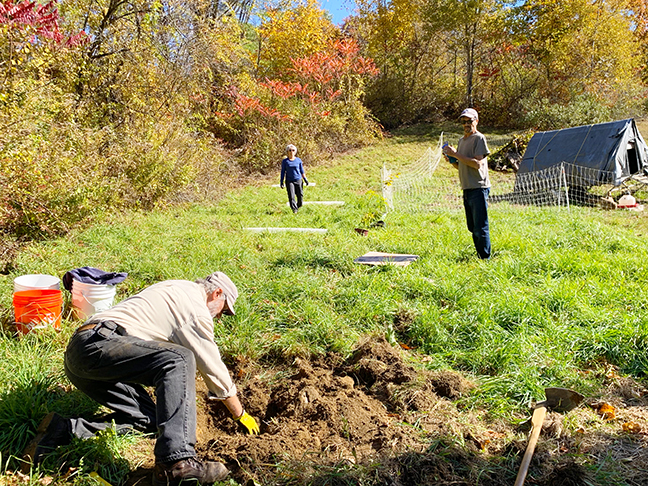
[321, 79]
[339, 60]
[42, 20]
[26, 14]
[331, 95]
[489, 72]
[244, 105]
[77, 40]
[283, 89]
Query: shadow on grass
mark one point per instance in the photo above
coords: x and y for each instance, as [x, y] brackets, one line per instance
[22, 408]
[445, 463]
[315, 260]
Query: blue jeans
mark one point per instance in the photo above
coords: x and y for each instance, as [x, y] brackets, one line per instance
[476, 206]
[295, 190]
[113, 369]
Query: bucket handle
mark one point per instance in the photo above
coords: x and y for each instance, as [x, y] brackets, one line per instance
[37, 306]
[49, 322]
[86, 299]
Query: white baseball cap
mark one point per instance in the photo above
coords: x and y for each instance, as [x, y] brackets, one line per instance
[470, 113]
[227, 286]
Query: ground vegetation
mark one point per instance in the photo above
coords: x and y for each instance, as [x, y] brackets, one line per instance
[412, 375]
[113, 105]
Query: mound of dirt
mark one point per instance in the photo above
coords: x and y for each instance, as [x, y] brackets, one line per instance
[330, 411]
[334, 421]
[313, 409]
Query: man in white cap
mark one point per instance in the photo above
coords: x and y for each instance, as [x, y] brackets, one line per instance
[157, 338]
[471, 162]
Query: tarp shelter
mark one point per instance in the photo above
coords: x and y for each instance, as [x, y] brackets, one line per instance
[611, 152]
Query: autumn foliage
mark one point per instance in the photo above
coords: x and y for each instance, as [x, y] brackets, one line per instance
[317, 106]
[109, 104]
[40, 20]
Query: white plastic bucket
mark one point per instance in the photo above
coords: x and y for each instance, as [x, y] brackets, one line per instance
[36, 282]
[88, 299]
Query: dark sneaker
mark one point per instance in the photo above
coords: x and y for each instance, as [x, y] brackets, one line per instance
[189, 469]
[53, 431]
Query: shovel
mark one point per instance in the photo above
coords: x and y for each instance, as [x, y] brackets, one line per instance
[558, 399]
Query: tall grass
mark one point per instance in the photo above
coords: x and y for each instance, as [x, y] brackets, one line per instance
[563, 298]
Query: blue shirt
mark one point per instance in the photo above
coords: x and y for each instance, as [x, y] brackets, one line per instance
[292, 170]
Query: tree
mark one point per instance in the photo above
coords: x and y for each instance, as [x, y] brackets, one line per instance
[295, 30]
[412, 60]
[428, 51]
[587, 59]
[639, 11]
[28, 30]
[581, 46]
[471, 29]
[316, 104]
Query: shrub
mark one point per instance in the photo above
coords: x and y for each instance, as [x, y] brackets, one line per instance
[582, 110]
[317, 107]
[55, 173]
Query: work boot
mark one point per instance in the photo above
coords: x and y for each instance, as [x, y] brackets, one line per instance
[53, 431]
[189, 469]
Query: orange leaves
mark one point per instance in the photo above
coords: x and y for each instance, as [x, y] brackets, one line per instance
[607, 411]
[282, 89]
[331, 95]
[340, 59]
[631, 427]
[322, 79]
[245, 104]
[325, 83]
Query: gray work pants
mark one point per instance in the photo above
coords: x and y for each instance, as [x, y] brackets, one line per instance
[113, 369]
[295, 190]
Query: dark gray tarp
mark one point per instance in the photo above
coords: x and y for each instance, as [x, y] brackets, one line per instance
[605, 153]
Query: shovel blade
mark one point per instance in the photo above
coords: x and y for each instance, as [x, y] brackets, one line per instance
[562, 399]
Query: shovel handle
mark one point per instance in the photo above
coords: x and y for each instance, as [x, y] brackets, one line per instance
[537, 420]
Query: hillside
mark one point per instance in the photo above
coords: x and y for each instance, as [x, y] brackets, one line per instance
[414, 375]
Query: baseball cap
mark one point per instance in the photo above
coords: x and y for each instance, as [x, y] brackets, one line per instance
[229, 289]
[470, 113]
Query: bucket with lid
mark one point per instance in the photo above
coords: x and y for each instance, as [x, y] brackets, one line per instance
[35, 282]
[88, 299]
[37, 309]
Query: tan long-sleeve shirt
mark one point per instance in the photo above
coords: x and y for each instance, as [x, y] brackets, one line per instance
[175, 311]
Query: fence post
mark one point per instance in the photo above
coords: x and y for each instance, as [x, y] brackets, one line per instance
[564, 180]
[387, 187]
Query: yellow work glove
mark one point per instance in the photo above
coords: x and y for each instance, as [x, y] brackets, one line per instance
[247, 421]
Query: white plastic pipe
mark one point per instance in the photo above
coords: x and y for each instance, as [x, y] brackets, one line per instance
[280, 230]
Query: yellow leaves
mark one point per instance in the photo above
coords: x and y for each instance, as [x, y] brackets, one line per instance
[606, 410]
[592, 39]
[297, 31]
[631, 427]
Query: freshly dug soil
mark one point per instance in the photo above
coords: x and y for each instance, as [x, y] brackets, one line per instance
[332, 421]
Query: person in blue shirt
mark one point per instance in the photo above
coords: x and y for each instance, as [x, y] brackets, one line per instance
[292, 172]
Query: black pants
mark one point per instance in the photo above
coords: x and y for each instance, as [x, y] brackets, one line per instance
[295, 190]
[114, 369]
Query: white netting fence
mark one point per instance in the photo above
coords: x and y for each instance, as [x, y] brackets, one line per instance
[426, 186]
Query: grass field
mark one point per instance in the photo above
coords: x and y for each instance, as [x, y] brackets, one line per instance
[563, 302]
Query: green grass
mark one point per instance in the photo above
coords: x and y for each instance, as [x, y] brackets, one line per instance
[566, 291]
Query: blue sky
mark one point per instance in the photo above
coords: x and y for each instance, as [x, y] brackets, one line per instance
[339, 9]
